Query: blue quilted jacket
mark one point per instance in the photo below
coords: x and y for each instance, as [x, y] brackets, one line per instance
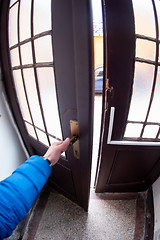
[19, 191]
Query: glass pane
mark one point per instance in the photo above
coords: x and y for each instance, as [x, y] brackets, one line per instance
[145, 49]
[42, 137]
[49, 100]
[43, 49]
[33, 97]
[142, 87]
[12, 2]
[26, 54]
[150, 131]
[13, 29]
[17, 77]
[157, 3]
[30, 130]
[25, 19]
[144, 17]
[42, 16]
[15, 57]
[133, 130]
[154, 115]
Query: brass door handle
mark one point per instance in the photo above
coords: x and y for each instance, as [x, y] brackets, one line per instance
[74, 141]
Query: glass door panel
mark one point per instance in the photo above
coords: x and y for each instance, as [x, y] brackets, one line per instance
[49, 100]
[42, 16]
[25, 18]
[142, 88]
[144, 118]
[33, 98]
[144, 18]
[13, 27]
[26, 53]
[43, 49]
[15, 57]
[31, 58]
[21, 95]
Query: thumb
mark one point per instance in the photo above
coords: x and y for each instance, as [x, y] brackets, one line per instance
[65, 144]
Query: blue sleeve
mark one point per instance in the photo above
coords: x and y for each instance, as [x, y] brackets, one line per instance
[19, 191]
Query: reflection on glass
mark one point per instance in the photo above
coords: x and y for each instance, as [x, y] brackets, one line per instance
[43, 49]
[150, 131]
[145, 49]
[13, 29]
[26, 53]
[30, 130]
[133, 130]
[154, 115]
[42, 16]
[33, 97]
[49, 100]
[14, 57]
[144, 17]
[42, 137]
[142, 87]
[21, 95]
[25, 19]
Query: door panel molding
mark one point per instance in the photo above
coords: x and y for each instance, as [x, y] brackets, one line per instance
[130, 143]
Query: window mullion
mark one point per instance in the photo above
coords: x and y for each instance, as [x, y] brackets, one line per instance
[35, 73]
[20, 59]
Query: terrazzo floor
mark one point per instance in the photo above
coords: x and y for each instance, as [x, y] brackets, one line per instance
[105, 220]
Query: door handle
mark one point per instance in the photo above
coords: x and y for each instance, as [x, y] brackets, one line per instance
[74, 141]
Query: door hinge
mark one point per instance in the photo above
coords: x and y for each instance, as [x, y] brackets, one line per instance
[74, 141]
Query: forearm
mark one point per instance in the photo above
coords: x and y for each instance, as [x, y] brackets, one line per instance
[19, 191]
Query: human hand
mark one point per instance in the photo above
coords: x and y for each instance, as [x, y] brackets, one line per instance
[55, 150]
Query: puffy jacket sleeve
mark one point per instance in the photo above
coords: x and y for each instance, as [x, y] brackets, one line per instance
[19, 191]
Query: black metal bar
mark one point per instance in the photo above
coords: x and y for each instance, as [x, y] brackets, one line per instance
[141, 122]
[156, 65]
[35, 74]
[143, 60]
[20, 59]
[37, 65]
[13, 4]
[139, 36]
[49, 134]
[46, 33]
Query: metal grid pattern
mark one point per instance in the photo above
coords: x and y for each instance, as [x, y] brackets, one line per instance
[34, 66]
[156, 64]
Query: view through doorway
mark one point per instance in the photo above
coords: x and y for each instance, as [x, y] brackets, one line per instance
[98, 66]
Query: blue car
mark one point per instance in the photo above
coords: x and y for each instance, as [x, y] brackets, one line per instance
[99, 79]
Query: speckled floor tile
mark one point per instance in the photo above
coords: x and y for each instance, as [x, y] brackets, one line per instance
[105, 220]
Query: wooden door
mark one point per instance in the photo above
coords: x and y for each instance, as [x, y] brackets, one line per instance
[52, 87]
[129, 155]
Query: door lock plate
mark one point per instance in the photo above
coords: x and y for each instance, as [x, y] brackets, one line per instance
[75, 135]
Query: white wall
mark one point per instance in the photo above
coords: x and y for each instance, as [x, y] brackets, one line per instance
[156, 194]
[12, 150]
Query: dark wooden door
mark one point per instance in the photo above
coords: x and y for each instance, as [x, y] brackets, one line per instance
[30, 84]
[129, 155]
